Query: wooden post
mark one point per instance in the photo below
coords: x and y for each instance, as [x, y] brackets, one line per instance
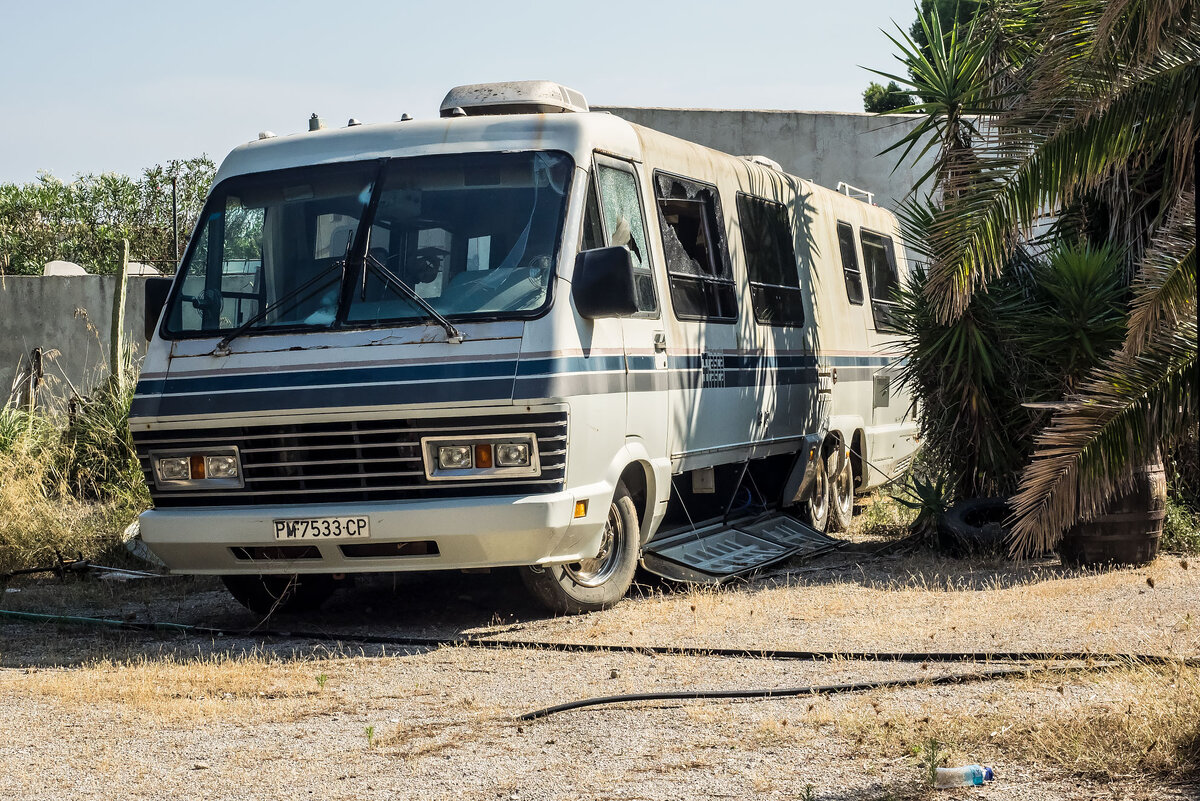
[117, 340]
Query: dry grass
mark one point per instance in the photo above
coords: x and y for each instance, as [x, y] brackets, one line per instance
[171, 690]
[1134, 722]
[36, 525]
[69, 480]
[943, 605]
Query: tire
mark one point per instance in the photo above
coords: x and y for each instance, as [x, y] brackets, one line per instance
[287, 594]
[818, 502]
[598, 583]
[841, 492]
[974, 526]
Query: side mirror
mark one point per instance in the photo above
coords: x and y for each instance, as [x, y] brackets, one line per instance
[156, 290]
[603, 283]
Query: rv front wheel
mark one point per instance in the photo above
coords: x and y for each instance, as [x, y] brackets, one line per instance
[266, 594]
[590, 585]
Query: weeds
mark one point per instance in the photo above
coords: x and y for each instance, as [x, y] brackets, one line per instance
[370, 733]
[1140, 720]
[70, 481]
[931, 756]
[1181, 530]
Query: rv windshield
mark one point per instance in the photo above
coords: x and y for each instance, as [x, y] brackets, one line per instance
[473, 235]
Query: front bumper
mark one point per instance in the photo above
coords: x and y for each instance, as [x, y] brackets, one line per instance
[468, 533]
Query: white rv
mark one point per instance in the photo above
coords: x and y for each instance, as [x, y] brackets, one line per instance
[523, 334]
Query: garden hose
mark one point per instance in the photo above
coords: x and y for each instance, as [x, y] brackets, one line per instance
[1092, 661]
[567, 647]
[816, 689]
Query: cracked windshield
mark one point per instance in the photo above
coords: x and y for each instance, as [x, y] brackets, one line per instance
[473, 235]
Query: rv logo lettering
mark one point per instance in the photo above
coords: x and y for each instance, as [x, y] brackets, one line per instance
[714, 369]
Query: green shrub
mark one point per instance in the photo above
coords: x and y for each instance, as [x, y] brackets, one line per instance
[1181, 530]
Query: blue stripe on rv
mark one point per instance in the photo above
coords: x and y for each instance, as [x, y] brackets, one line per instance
[488, 380]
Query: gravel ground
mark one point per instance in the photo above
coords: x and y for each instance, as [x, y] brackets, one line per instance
[103, 714]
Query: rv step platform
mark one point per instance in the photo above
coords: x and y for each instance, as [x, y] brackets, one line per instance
[716, 552]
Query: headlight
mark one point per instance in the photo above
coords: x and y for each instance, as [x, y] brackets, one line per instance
[480, 456]
[511, 454]
[196, 469]
[224, 466]
[455, 457]
[175, 468]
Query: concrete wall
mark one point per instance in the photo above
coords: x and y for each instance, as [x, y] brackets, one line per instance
[823, 146]
[70, 314]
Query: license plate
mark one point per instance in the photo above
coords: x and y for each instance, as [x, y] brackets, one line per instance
[322, 528]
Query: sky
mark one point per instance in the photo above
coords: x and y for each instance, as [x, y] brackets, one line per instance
[119, 86]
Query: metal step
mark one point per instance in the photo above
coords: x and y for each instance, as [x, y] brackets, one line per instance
[719, 551]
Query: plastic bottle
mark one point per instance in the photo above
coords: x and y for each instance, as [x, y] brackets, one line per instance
[966, 776]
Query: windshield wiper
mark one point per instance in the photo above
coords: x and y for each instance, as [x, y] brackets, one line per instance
[393, 281]
[223, 345]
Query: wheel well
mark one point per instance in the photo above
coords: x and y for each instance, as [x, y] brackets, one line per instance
[634, 479]
[856, 458]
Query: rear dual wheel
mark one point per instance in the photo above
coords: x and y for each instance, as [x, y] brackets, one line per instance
[841, 491]
[590, 585]
[830, 506]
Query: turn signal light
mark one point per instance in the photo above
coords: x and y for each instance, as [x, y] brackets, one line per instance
[483, 455]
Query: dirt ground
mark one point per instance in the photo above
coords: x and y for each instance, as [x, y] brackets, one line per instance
[94, 713]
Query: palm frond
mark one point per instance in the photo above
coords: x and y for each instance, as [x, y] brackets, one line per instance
[950, 80]
[1130, 405]
[1165, 286]
[1007, 197]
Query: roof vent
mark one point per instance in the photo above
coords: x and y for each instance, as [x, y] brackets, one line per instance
[764, 161]
[513, 97]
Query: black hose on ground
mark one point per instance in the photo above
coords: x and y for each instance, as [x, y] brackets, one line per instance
[816, 689]
[658, 650]
[1092, 661]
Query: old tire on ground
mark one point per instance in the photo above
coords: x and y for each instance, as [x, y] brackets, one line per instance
[265, 594]
[598, 583]
[841, 492]
[973, 526]
[818, 503]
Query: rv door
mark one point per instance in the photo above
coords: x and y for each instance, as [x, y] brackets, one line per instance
[646, 363]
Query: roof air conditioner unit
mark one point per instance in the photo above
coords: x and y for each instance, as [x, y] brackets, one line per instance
[513, 97]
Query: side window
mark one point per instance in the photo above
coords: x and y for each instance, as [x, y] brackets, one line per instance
[593, 231]
[879, 256]
[625, 223]
[225, 275]
[854, 289]
[770, 262]
[698, 266]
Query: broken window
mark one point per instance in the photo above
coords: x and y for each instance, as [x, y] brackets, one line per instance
[854, 289]
[770, 262]
[698, 266]
[879, 258]
[593, 230]
[623, 218]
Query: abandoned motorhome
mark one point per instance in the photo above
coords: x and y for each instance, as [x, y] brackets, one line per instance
[522, 334]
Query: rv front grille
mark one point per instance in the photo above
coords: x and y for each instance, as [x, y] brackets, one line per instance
[351, 461]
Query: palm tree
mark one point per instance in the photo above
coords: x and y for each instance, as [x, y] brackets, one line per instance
[1094, 120]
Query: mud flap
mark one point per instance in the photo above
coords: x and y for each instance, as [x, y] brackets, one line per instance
[720, 551]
